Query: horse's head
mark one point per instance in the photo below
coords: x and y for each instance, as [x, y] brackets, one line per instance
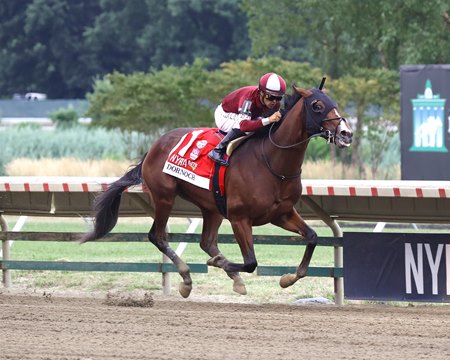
[323, 118]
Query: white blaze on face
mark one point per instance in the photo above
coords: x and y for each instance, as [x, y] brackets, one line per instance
[342, 128]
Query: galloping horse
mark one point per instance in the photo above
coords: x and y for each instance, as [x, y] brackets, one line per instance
[262, 185]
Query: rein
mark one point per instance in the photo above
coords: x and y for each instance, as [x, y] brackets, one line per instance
[282, 177]
[266, 160]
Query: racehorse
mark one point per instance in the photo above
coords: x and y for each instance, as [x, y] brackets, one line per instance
[262, 185]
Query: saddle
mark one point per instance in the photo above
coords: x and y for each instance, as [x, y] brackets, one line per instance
[235, 143]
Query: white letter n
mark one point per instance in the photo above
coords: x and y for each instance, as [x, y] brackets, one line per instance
[417, 270]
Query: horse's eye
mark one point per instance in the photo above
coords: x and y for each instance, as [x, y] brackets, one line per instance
[317, 106]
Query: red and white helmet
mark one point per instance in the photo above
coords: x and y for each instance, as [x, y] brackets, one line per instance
[272, 84]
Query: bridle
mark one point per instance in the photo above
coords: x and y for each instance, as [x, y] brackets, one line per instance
[326, 134]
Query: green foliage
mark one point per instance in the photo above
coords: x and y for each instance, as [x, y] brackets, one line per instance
[371, 97]
[380, 147]
[338, 36]
[318, 149]
[148, 102]
[58, 47]
[65, 117]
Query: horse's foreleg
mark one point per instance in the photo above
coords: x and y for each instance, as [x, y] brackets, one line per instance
[294, 222]
[211, 224]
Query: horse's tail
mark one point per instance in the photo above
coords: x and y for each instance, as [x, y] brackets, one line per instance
[106, 205]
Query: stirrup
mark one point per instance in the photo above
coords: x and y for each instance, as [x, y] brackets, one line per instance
[219, 159]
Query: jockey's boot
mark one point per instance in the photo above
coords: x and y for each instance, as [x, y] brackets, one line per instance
[218, 152]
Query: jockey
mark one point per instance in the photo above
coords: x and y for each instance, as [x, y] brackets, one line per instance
[241, 112]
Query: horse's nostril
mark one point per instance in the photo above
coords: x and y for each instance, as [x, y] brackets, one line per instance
[346, 133]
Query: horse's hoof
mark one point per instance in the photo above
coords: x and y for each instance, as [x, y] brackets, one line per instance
[239, 285]
[288, 280]
[240, 289]
[185, 290]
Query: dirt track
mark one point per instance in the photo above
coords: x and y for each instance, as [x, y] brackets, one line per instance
[47, 327]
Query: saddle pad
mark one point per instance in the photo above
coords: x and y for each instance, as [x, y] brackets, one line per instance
[189, 160]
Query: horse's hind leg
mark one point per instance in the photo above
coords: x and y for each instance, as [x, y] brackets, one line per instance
[295, 223]
[158, 236]
[211, 224]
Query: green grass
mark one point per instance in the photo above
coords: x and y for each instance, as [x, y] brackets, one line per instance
[214, 284]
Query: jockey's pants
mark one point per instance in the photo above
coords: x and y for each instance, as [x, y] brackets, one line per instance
[227, 121]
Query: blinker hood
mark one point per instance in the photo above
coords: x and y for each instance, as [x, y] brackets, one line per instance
[314, 118]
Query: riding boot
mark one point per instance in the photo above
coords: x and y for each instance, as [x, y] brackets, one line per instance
[218, 152]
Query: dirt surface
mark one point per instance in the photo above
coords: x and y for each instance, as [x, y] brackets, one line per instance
[43, 326]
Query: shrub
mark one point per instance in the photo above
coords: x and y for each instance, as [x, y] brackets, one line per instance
[65, 117]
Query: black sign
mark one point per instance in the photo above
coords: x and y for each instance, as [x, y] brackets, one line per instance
[393, 266]
[425, 118]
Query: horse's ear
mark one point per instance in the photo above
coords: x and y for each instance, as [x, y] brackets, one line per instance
[303, 92]
[294, 85]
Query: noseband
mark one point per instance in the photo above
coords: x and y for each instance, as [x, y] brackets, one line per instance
[327, 134]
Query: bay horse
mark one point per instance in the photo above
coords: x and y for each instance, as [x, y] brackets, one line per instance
[262, 185]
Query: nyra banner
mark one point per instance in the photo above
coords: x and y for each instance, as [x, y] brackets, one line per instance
[393, 266]
[425, 122]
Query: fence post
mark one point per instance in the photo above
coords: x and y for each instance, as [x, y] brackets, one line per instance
[338, 250]
[166, 277]
[6, 276]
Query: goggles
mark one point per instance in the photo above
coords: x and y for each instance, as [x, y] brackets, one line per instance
[273, 97]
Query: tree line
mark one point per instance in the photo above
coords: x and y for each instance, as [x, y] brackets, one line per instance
[60, 46]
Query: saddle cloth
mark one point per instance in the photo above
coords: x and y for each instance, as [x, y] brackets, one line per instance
[189, 160]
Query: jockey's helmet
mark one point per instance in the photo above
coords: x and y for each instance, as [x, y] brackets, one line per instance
[272, 84]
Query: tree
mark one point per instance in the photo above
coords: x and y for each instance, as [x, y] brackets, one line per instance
[151, 102]
[60, 46]
[41, 47]
[372, 99]
[351, 33]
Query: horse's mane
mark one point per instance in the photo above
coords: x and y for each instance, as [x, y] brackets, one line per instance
[290, 101]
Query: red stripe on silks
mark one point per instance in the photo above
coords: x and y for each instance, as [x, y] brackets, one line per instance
[352, 191]
[46, 187]
[374, 191]
[396, 192]
[65, 187]
[26, 187]
[419, 192]
[442, 193]
[331, 190]
[85, 187]
[7, 187]
[104, 187]
[309, 190]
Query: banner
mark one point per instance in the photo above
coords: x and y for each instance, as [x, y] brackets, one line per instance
[425, 118]
[394, 266]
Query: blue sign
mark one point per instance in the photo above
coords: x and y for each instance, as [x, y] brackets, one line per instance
[400, 267]
[425, 122]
